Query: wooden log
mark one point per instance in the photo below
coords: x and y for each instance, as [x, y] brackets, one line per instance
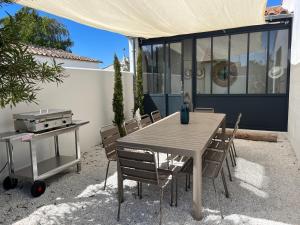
[255, 135]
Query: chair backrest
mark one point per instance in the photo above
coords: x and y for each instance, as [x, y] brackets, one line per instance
[145, 120]
[155, 115]
[236, 126]
[204, 110]
[109, 135]
[131, 126]
[137, 164]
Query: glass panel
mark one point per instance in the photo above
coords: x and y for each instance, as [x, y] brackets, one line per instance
[203, 70]
[175, 68]
[147, 69]
[187, 71]
[220, 73]
[257, 63]
[278, 54]
[158, 69]
[238, 64]
[168, 80]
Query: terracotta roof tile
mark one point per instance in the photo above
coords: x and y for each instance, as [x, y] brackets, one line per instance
[275, 10]
[58, 53]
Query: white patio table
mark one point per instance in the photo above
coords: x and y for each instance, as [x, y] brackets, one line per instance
[170, 136]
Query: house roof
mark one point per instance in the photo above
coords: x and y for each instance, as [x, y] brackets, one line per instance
[57, 53]
[276, 10]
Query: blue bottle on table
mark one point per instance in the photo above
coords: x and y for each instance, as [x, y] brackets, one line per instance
[184, 113]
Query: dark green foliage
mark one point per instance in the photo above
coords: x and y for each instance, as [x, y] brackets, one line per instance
[5, 2]
[20, 74]
[139, 95]
[118, 106]
[31, 28]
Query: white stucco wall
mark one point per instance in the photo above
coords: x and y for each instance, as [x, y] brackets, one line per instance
[68, 62]
[294, 97]
[88, 93]
[294, 109]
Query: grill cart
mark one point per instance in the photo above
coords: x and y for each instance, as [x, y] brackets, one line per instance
[31, 127]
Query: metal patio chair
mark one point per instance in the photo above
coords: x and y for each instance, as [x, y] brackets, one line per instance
[155, 116]
[212, 166]
[224, 146]
[219, 137]
[140, 165]
[204, 110]
[109, 135]
[145, 120]
[131, 126]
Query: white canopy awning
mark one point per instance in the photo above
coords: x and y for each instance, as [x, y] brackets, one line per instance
[156, 18]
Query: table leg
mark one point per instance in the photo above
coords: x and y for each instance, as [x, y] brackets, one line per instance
[197, 187]
[9, 149]
[34, 162]
[224, 129]
[56, 145]
[120, 185]
[77, 148]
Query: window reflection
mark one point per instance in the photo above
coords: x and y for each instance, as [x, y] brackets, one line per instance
[158, 69]
[278, 53]
[238, 63]
[147, 68]
[175, 68]
[203, 67]
[220, 73]
[257, 63]
[187, 70]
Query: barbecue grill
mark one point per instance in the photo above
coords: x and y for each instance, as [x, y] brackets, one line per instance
[34, 126]
[39, 121]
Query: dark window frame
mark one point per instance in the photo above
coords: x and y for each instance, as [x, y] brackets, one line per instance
[166, 41]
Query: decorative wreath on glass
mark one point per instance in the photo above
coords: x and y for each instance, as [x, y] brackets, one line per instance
[221, 74]
[200, 73]
[187, 74]
[276, 72]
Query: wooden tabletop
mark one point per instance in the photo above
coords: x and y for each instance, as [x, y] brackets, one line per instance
[170, 136]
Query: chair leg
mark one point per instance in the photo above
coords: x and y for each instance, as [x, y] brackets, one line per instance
[229, 173]
[218, 199]
[106, 174]
[160, 205]
[168, 161]
[234, 149]
[176, 191]
[186, 182]
[232, 153]
[138, 188]
[158, 158]
[224, 183]
[232, 163]
[189, 186]
[172, 184]
[119, 204]
[141, 188]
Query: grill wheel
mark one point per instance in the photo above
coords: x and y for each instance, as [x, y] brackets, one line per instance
[38, 188]
[10, 183]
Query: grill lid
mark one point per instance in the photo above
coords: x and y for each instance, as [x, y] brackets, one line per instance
[43, 114]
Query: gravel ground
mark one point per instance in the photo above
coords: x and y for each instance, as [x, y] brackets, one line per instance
[265, 190]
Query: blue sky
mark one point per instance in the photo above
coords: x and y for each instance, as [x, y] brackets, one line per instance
[91, 42]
